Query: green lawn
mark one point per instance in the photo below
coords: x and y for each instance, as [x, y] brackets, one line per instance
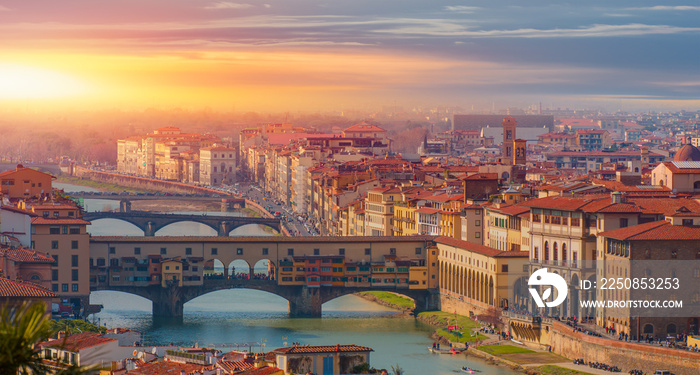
[391, 298]
[443, 319]
[504, 349]
[556, 370]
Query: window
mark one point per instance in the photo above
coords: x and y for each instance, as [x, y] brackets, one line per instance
[112, 250]
[54, 275]
[74, 230]
[687, 222]
[64, 229]
[163, 250]
[418, 251]
[74, 244]
[504, 268]
[477, 235]
[214, 251]
[341, 251]
[317, 252]
[265, 251]
[290, 251]
[54, 230]
[54, 287]
[64, 287]
[54, 244]
[477, 223]
[623, 222]
[239, 251]
[74, 287]
[188, 251]
[137, 251]
[392, 251]
[368, 251]
[74, 261]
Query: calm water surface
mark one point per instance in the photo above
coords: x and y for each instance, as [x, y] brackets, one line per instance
[224, 318]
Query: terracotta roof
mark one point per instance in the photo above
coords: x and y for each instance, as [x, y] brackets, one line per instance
[169, 368]
[42, 220]
[9, 288]
[26, 255]
[364, 127]
[512, 210]
[673, 167]
[655, 231]
[481, 249]
[233, 366]
[322, 349]
[482, 176]
[558, 203]
[59, 206]
[75, 343]
[665, 205]
[261, 371]
[427, 210]
[22, 168]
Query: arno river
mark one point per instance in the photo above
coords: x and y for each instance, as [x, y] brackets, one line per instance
[225, 318]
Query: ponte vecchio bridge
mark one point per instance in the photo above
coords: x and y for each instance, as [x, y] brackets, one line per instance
[151, 222]
[306, 271]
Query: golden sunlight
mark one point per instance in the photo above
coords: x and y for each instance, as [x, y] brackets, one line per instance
[26, 82]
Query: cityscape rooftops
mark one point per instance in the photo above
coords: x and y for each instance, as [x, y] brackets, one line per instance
[306, 349]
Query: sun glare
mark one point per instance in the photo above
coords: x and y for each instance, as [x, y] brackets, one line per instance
[25, 82]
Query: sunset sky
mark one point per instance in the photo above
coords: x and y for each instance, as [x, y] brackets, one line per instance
[335, 54]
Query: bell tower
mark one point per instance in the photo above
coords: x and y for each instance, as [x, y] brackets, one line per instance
[507, 152]
[519, 151]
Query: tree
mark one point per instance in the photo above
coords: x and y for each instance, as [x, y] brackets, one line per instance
[22, 327]
[397, 369]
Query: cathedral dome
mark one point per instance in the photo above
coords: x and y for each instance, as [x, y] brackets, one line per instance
[687, 153]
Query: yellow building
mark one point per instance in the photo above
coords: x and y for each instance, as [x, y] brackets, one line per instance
[473, 279]
[171, 272]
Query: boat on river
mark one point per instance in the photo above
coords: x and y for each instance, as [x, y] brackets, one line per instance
[469, 370]
[444, 351]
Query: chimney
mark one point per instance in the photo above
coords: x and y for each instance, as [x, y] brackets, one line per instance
[617, 197]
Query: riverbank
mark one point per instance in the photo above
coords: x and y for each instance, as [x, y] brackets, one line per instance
[103, 186]
[389, 299]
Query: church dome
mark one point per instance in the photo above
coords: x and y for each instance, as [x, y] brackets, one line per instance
[687, 153]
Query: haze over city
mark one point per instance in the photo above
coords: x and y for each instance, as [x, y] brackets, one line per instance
[336, 55]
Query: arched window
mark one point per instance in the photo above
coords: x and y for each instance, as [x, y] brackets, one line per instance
[555, 252]
[671, 329]
[546, 250]
[648, 328]
[563, 254]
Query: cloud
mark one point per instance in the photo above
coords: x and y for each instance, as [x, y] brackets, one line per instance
[454, 30]
[461, 8]
[227, 5]
[668, 7]
[4, 9]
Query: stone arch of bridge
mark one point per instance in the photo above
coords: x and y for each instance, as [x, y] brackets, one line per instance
[164, 225]
[234, 227]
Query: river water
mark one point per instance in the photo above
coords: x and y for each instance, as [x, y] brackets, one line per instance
[241, 317]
